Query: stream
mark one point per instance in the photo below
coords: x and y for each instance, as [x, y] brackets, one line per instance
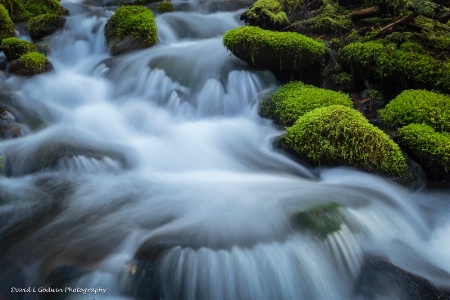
[151, 175]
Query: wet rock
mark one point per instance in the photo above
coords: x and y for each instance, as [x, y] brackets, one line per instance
[30, 64]
[9, 128]
[44, 25]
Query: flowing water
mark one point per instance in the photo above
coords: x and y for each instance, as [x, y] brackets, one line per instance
[152, 173]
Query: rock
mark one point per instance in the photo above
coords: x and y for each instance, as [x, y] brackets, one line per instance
[7, 28]
[13, 48]
[165, 6]
[9, 128]
[23, 10]
[284, 51]
[267, 14]
[130, 28]
[30, 64]
[44, 25]
[286, 104]
[337, 135]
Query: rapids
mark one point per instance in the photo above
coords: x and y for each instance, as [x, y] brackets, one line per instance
[163, 149]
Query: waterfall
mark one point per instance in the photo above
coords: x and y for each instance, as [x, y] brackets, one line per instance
[152, 176]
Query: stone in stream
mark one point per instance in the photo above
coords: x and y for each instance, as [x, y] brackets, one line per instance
[9, 128]
[30, 64]
[45, 25]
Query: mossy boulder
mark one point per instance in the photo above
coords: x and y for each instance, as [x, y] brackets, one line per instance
[165, 6]
[338, 135]
[130, 28]
[322, 220]
[267, 14]
[388, 64]
[31, 63]
[7, 27]
[23, 10]
[13, 48]
[286, 104]
[44, 25]
[418, 106]
[430, 148]
[286, 51]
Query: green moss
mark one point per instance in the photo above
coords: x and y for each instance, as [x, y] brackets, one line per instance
[137, 21]
[7, 27]
[292, 100]
[278, 50]
[165, 6]
[338, 135]
[405, 7]
[266, 14]
[321, 220]
[418, 106]
[408, 69]
[22, 10]
[13, 47]
[44, 25]
[429, 148]
[34, 62]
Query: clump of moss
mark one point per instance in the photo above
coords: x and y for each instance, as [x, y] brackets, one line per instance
[13, 47]
[285, 51]
[165, 6]
[338, 135]
[132, 24]
[22, 10]
[405, 68]
[34, 61]
[321, 220]
[44, 25]
[330, 19]
[405, 7]
[286, 104]
[267, 14]
[7, 28]
[429, 148]
[418, 106]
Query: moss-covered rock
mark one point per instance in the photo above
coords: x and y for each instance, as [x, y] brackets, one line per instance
[31, 63]
[321, 220]
[131, 28]
[7, 27]
[13, 47]
[44, 25]
[287, 51]
[165, 6]
[267, 14]
[405, 7]
[22, 10]
[338, 135]
[407, 69]
[286, 104]
[429, 148]
[418, 106]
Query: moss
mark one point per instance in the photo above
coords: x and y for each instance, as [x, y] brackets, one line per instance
[44, 25]
[429, 148]
[408, 69]
[165, 6]
[418, 106]
[13, 47]
[404, 7]
[292, 100]
[136, 21]
[330, 19]
[34, 61]
[321, 220]
[7, 28]
[267, 14]
[338, 135]
[278, 50]
[22, 10]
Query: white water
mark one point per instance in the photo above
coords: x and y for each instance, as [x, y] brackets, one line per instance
[163, 147]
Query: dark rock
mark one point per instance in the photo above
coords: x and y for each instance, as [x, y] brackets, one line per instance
[45, 25]
[16, 67]
[129, 43]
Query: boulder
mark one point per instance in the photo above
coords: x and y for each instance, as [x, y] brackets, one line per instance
[31, 63]
[44, 25]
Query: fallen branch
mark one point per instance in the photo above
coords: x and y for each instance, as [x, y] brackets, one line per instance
[363, 13]
[389, 27]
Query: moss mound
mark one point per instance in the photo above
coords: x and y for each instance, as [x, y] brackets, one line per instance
[285, 51]
[292, 100]
[31, 63]
[267, 14]
[7, 27]
[13, 47]
[338, 135]
[131, 28]
[22, 10]
[44, 25]
[429, 148]
[321, 220]
[165, 6]
[406, 68]
[418, 106]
